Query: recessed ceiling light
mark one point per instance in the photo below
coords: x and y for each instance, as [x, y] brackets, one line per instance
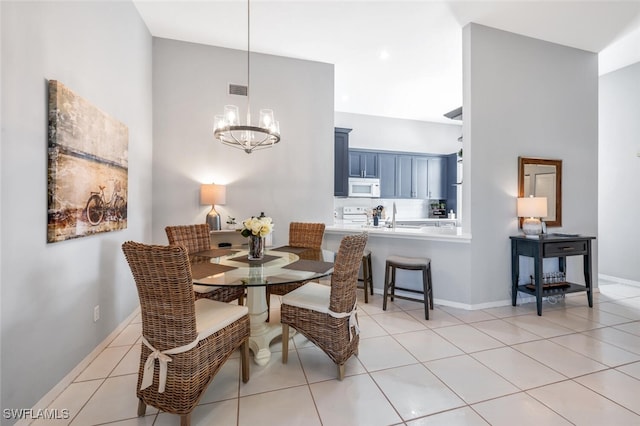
[384, 55]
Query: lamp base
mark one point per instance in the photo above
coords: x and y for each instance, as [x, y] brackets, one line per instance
[213, 219]
[531, 226]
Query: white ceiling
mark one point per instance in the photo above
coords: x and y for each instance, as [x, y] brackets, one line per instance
[421, 78]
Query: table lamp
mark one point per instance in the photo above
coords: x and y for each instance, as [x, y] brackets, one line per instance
[532, 208]
[212, 194]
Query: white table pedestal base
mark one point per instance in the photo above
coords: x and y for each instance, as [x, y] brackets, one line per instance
[262, 333]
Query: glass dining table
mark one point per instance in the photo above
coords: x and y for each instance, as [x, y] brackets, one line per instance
[282, 265]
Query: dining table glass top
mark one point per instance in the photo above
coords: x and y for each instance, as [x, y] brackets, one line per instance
[282, 265]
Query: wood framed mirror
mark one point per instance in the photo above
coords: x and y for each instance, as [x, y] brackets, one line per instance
[542, 178]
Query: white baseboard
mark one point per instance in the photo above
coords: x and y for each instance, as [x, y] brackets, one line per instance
[619, 280]
[50, 396]
[521, 299]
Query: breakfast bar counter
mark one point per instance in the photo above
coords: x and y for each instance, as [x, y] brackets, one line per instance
[448, 248]
[435, 233]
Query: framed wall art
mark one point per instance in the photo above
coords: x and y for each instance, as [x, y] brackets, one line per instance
[88, 168]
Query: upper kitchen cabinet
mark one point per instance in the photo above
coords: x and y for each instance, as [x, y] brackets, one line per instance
[403, 175]
[387, 171]
[363, 164]
[341, 162]
[437, 181]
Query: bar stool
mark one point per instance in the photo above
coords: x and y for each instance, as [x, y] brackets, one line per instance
[411, 264]
[367, 275]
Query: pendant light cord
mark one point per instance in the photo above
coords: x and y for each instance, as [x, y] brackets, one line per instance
[248, 59]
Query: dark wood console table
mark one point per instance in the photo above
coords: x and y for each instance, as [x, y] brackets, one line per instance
[550, 245]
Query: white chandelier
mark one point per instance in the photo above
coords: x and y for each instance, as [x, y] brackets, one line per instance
[228, 129]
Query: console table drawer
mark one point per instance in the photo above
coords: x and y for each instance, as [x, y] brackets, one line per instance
[565, 248]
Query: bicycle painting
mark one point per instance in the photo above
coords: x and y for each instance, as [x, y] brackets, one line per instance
[88, 168]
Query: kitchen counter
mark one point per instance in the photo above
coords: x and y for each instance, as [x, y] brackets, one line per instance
[448, 248]
[415, 232]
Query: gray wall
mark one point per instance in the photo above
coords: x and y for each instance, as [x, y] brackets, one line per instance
[291, 181]
[524, 97]
[394, 134]
[102, 51]
[618, 195]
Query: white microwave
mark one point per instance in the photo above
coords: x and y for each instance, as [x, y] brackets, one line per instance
[364, 187]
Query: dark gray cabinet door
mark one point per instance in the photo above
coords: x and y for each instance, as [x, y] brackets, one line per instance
[452, 177]
[421, 178]
[363, 164]
[404, 178]
[437, 178]
[355, 169]
[341, 162]
[387, 169]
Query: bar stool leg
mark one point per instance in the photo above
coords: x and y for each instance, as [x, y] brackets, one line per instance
[370, 273]
[425, 290]
[386, 286]
[392, 284]
[365, 279]
[430, 286]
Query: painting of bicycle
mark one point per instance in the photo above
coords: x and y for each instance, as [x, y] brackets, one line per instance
[88, 168]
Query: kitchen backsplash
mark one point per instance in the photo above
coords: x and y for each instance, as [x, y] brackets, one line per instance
[408, 209]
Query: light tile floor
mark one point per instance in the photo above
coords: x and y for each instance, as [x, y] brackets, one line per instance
[500, 366]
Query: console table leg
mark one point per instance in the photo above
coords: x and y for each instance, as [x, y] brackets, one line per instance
[515, 274]
[538, 272]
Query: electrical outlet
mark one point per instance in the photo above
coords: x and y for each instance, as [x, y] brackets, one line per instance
[96, 313]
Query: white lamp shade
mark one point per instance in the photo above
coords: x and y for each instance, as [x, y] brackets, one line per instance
[532, 207]
[211, 194]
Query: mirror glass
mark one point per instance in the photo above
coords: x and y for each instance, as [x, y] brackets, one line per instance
[542, 178]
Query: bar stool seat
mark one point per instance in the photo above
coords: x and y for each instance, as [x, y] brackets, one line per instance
[410, 264]
[367, 275]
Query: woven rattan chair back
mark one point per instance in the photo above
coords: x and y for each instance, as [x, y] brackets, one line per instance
[334, 332]
[197, 238]
[308, 235]
[163, 279]
[194, 237]
[344, 280]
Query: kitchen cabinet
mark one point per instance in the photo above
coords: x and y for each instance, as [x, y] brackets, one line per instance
[387, 171]
[452, 182]
[402, 174]
[341, 162]
[419, 176]
[437, 178]
[363, 164]
[404, 177]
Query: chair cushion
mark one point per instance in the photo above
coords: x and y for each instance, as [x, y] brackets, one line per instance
[203, 289]
[312, 296]
[413, 261]
[212, 316]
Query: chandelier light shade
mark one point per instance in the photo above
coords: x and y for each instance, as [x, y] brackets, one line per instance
[212, 194]
[249, 137]
[532, 209]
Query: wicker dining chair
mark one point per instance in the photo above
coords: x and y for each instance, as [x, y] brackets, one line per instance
[196, 238]
[327, 315]
[189, 339]
[303, 235]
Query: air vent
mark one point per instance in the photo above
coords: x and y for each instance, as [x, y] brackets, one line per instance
[237, 89]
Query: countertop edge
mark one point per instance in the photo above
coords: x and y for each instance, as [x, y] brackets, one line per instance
[403, 234]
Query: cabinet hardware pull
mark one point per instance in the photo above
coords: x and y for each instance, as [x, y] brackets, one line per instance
[567, 248]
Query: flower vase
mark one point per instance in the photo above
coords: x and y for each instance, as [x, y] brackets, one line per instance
[256, 247]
